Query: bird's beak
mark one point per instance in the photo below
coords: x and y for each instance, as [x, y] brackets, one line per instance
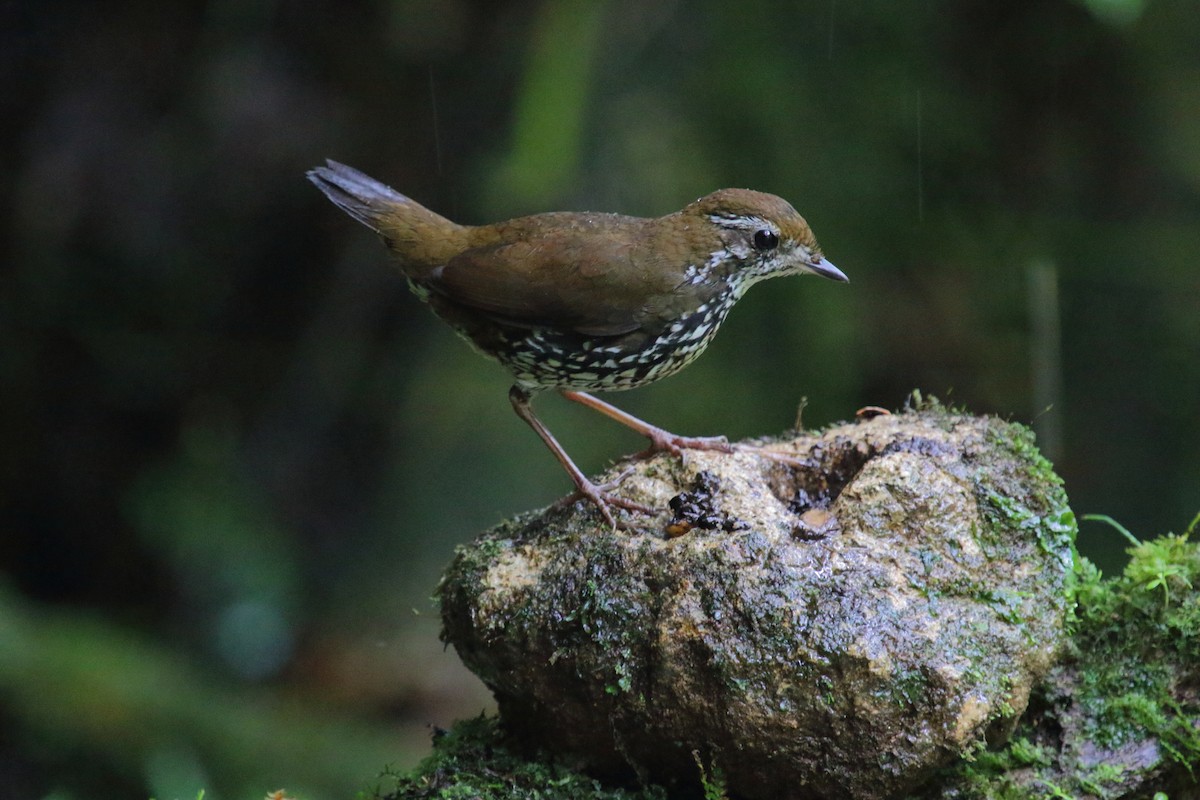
[822, 267]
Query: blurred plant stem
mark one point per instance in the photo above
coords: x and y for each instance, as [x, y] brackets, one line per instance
[1045, 356]
[544, 154]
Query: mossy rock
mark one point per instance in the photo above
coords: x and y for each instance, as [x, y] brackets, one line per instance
[841, 618]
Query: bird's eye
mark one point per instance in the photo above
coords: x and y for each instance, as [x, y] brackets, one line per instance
[765, 239]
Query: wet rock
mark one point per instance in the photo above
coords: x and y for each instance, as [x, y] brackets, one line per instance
[890, 593]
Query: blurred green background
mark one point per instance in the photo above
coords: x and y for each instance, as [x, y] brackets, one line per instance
[236, 451]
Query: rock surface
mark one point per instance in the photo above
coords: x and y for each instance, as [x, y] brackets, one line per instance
[841, 625]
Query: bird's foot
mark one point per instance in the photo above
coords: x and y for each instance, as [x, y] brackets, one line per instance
[664, 441]
[602, 497]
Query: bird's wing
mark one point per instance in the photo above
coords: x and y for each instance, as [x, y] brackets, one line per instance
[574, 281]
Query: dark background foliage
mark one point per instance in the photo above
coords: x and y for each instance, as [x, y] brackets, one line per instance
[236, 452]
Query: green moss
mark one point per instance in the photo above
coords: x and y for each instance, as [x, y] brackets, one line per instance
[919, 403]
[1047, 514]
[1136, 646]
[1143, 626]
[472, 762]
[604, 609]
[712, 779]
[1025, 753]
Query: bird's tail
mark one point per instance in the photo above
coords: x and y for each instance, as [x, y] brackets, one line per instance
[358, 194]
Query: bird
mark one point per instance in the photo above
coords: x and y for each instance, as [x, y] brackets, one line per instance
[582, 302]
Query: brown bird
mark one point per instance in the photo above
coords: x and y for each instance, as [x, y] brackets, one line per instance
[583, 302]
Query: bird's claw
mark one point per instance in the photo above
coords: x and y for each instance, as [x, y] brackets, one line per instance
[602, 497]
[661, 441]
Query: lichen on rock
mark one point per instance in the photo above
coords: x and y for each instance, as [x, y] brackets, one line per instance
[840, 619]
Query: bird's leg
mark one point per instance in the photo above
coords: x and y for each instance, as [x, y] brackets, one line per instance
[599, 495]
[659, 438]
[665, 440]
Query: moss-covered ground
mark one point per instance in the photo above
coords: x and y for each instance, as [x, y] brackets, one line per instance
[472, 762]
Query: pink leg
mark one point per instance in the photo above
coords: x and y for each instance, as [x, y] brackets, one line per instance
[659, 438]
[597, 494]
